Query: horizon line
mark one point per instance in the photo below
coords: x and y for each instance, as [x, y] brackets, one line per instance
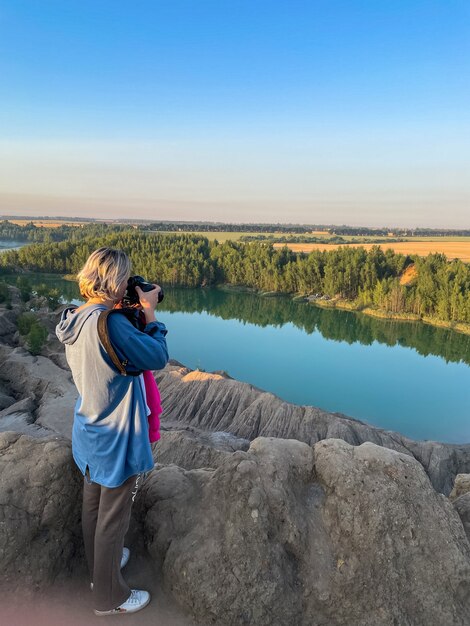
[217, 222]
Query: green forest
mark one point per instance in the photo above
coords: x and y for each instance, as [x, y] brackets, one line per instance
[440, 289]
[43, 234]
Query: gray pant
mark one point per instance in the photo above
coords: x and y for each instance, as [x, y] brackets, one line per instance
[106, 514]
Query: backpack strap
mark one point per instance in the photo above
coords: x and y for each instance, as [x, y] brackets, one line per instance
[103, 334]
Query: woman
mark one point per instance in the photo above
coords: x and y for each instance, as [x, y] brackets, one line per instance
[110, 438]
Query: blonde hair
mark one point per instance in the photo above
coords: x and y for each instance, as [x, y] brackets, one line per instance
[103, 273]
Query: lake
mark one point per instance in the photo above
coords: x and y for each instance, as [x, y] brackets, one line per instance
[404, 376]
[11, 245]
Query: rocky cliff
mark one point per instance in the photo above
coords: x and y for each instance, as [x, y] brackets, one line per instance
[281, 533]
[217, 403]
[38, 394]
[258, 511]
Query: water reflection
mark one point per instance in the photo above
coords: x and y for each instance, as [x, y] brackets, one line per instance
[332, 324]
[335, 325]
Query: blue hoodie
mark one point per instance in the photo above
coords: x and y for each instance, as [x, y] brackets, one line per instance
[110, 427]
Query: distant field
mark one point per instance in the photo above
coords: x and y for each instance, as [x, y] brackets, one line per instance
[47, 223]
[459, 248]
[220, 236]
[452, 247]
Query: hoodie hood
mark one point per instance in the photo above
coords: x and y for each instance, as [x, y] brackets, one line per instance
[71, 322]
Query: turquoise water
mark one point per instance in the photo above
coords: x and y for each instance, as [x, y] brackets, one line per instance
[404, 376]
[392, 387]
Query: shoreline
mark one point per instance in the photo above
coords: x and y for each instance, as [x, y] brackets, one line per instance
[342, 305]
[345, 305]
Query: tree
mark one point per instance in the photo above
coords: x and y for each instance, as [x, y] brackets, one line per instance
[36, 338]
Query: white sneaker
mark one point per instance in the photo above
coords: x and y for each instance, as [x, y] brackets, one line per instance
[125, 557]
[126, 553]
[136, 601]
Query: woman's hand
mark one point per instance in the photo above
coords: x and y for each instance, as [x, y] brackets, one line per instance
[148, 300]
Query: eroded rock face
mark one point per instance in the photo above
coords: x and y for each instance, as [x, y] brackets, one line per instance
[191, 449]
[40, 499]
[7, 323]
[217, 403]
[279, 534]
[461, 486]
[47, 390]
[286, 534]
[462, 506]
[6, 399]
[398, 544]
[460, 496]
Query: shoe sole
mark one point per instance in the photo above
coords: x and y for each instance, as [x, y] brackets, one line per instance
[121, 612]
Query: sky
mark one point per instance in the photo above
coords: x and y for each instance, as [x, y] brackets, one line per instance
[315, 112]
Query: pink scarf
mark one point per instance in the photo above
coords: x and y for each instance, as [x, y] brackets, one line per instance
[154, 404]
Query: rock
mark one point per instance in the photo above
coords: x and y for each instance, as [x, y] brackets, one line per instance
[7, 323]
[19, 418]
[460, 496]
[279, 534]
[23, 423]
[462, 506]
[215, 521]
[294, 528]
[441, 461]
[286, 534]
[50, 386]
[215, 402]
[26, 405]
[212, 402]
[40, 496]
[5, 400]
[461, 486]
[192, 449]
[56, 357]
[397, 541]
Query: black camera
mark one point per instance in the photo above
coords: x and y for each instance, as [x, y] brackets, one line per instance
[131, 296]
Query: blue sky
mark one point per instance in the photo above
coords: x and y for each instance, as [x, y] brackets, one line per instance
[318, 112]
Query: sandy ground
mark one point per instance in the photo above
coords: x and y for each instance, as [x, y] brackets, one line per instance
[69, 603]
[452, 249]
